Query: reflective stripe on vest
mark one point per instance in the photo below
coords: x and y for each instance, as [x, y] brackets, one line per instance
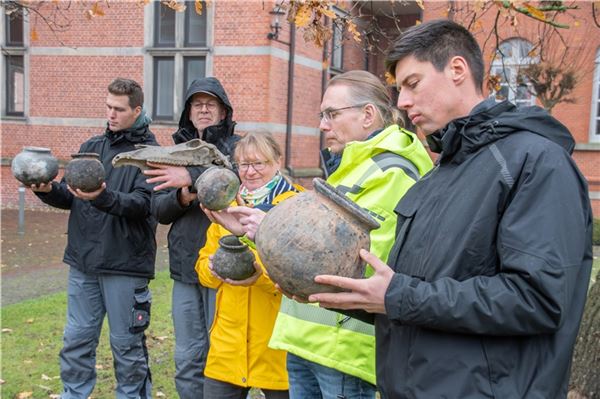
[383, 161]
[315, 314]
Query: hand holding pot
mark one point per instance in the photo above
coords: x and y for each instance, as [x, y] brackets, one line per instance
[87, 196]
[42, 187]
[242, 283]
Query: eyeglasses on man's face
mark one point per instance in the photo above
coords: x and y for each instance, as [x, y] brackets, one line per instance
[329, 114]
[257, 166]
[210, 105]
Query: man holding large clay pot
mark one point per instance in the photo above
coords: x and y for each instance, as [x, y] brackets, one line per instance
[373, 162]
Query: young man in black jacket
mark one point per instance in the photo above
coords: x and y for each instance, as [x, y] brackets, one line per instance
[207, 115]
[111, 251]
[490, 267]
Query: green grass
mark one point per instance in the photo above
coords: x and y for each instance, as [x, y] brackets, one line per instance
[32, 338]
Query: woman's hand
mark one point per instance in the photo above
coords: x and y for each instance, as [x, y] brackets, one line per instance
[249, 218]
[229, 221]
[241, 283]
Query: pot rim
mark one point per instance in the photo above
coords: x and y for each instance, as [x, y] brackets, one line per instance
[340, 199]
[231, 241]
[37, 149]
[86, 155]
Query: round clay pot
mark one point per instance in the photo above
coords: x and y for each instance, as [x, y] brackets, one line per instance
[85, 172]
[312, 233]
[217, 188]
[233, 259]
[34, 165]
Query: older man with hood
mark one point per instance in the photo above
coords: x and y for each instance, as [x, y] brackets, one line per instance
[207, 115]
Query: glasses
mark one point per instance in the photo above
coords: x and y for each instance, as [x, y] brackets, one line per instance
[257, 166]
[330, 113]
[210, 106]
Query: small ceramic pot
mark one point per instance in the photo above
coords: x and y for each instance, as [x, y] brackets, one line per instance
[85, 172]
[233, 259]
[217, 187]
[34, 165]
[314, 232]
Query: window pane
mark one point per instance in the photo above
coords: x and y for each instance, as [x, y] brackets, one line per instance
[598, 127]
[195, 25]
[336, 48]
[164, 23]
[195, 67]
[14, 28]
[15, 93]
[164, 76]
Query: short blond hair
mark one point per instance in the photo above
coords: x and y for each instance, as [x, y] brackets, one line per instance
[261, 142]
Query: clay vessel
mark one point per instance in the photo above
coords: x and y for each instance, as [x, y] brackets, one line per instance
[314, 232]
[34, 165]
[85, 172]
[233, 259]
[217, 188]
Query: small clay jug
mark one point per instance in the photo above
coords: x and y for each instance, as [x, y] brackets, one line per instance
[85, 172]
[233, 259]
[217, 187]
[314, 232]
[34, 165]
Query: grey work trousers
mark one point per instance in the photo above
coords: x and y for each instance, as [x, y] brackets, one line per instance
[193, 310]
[90, 298]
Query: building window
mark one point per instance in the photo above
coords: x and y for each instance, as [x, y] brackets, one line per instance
[337, 49]
[512, 56]
[179, 50]
[13, 57]
[595, 122]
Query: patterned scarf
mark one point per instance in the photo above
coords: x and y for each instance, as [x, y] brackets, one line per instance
[258, 196]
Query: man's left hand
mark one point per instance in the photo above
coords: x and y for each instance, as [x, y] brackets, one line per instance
[367, 293]
[92, 195]
[169, 176]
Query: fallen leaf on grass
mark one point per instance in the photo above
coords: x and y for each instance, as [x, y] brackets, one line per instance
[99, 367]
[45, 388]
[159, 394]
[1, 381]
[46, 378]
[6, 330]
[54, 396]
[161, 338]
[27, 361]
[29, 321]
[24, 395]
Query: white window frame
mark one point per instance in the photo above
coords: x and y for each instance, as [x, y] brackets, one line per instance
[179, 52]
[11, 50]
[503, 65]
[595, 111]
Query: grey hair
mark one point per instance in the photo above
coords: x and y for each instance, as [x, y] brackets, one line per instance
[366, 88]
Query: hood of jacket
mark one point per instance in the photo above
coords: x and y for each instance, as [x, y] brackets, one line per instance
[187, 131]
[490, 121]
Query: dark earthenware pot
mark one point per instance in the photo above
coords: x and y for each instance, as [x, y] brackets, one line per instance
[217, 188]
[314, 232]
[233, 259]
[34, 165]
[85, 172]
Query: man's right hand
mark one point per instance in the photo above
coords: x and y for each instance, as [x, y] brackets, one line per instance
[42, 187]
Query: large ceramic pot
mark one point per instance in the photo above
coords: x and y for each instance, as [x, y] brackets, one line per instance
[314, 232]
[233, 259]
[217, 188]
[85, 172]
[34, 165]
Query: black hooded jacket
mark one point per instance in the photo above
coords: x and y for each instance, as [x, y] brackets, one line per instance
[189, 224]
[113, 234]
[492, 258]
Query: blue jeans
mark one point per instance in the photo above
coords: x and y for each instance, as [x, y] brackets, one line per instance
[309, 380]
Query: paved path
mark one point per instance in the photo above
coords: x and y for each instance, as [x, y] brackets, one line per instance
[31, 264]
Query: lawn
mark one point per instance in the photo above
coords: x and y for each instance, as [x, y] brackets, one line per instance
[32, 337]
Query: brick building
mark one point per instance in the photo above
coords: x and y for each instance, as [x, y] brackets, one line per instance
[54, 87]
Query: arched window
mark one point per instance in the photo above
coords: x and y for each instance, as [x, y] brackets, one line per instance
[513, 56]
[595, 114]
